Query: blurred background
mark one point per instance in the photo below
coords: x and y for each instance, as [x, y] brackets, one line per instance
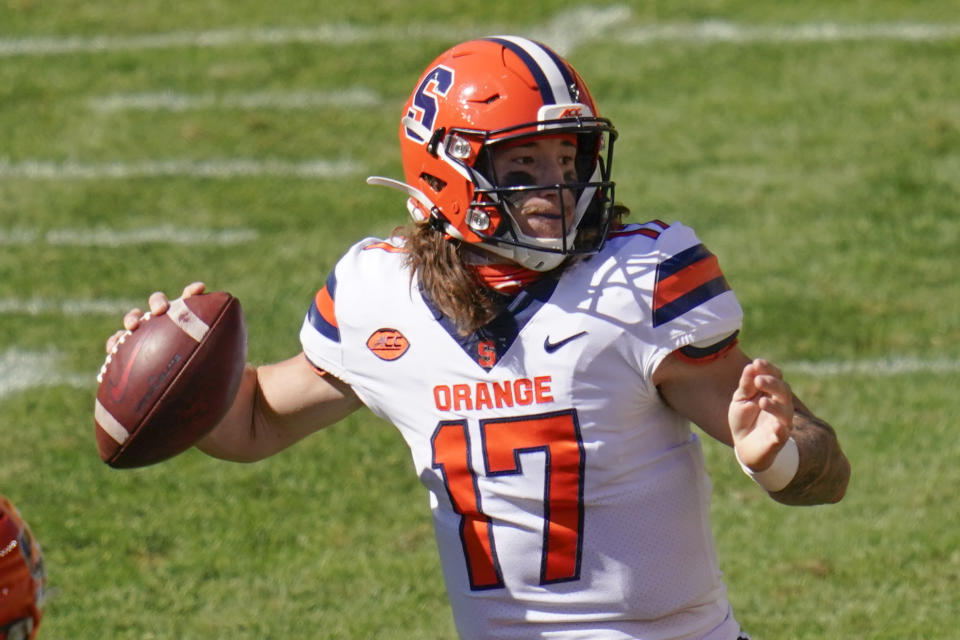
[815, 148]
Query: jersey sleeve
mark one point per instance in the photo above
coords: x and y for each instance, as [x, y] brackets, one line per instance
[691, 304]
[343, 304]
[320, 332]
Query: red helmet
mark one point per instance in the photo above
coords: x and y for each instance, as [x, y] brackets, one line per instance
[482, 93]
[22, 578]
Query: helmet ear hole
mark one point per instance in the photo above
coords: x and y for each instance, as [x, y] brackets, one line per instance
[434, 182]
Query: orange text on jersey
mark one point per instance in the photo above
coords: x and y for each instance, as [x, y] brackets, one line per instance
[493, 395]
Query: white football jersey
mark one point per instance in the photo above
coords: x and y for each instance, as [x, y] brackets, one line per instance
[569, 501]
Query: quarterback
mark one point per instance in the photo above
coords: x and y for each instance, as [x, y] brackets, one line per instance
[544, 361]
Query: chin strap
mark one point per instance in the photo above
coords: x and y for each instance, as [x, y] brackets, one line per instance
[505, 278]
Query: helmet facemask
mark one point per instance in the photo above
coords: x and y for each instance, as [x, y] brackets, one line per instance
[584, 197]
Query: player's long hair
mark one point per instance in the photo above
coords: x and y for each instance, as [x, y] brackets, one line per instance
[440, 264]
[442, 269]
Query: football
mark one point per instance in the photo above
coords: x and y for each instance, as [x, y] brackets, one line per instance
[169, 382]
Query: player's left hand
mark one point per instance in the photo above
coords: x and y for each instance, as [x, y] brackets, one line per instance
[158, 303]
[760, 414]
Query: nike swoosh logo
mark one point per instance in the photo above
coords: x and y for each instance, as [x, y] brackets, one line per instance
[117, 390]
[550, 347]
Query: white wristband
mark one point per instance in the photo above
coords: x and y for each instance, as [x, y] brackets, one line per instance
[779, 474]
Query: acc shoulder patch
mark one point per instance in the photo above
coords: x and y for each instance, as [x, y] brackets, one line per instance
[387, 344]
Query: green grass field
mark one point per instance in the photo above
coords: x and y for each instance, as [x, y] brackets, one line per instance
[814, 146]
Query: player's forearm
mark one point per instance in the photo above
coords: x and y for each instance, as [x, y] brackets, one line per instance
[276, 406]
[235, 437]
[252, 429]
[823, 470]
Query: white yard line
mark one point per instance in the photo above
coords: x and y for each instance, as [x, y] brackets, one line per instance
[287, 100]
[569, 29]
[79, 307]
[23, 369]
[103, 237]
[733, 33]
[324, 34]
[226, 168]
[150, 235]
[565, 31]
[879, 367]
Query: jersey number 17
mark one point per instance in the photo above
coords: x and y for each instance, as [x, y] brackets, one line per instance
[504, 441]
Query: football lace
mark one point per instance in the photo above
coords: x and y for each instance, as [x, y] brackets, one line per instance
[123, 338]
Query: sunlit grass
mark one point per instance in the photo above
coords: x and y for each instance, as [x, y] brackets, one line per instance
[824, 175]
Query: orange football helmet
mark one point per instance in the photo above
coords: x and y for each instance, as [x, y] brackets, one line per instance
[22, 577]
[487, 92]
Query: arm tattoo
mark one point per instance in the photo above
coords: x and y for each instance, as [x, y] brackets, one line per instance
[824, 470]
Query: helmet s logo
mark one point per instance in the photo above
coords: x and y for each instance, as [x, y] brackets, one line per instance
[423, 108]
[387, 344]
[572, 112]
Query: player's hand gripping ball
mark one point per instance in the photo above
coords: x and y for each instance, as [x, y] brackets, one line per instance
[168, 383]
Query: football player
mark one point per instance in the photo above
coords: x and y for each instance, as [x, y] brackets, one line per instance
[22, 577]
[544, 361]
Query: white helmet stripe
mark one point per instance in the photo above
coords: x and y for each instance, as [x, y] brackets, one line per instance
[551, 76]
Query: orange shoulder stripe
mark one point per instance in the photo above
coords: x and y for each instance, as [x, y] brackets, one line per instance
[385, 246]
[686, 280]
[325, 306]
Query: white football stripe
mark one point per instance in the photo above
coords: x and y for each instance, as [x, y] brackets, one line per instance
[559, 88]
[109, 424]
[187, 320]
